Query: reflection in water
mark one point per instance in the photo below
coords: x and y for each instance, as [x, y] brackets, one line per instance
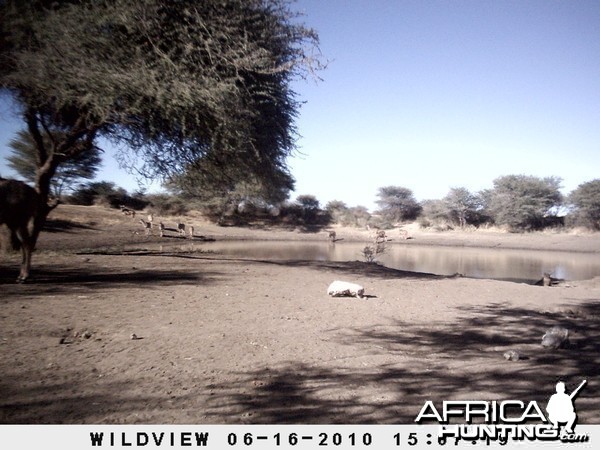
[517, 265]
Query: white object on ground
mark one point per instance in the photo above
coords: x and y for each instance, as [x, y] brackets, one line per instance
[345, 289]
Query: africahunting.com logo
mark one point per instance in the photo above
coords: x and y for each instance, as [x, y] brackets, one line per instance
[507, 420]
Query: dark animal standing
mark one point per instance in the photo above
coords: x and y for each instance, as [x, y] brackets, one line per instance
[24, 212]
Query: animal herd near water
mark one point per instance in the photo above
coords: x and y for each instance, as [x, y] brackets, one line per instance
[149, 225]
[23, 211]
[378, 235]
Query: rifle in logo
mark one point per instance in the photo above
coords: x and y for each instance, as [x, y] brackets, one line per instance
[560, 406]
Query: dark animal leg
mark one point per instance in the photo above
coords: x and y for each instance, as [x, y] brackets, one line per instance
[26, 249]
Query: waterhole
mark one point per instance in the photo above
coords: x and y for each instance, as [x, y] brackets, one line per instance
[526, 266]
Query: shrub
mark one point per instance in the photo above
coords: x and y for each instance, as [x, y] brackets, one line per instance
[585, 202]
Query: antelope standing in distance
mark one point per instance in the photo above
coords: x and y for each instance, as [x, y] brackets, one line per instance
[24, 212]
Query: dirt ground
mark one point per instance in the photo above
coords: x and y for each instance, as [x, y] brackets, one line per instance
[106, 333]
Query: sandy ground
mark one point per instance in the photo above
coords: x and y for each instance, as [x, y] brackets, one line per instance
[223, 340]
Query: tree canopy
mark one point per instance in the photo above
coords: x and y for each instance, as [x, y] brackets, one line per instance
[397, 204]
[462, 207]
[23, 160]
[171, 83]
[586, 203]
[521, 201]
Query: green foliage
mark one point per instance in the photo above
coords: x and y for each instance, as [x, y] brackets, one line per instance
[308, 203]
[462, 207]
[305, 211]
[375, 249]
[397, 204]
[360, 215]
[23, 160]
[172, 83]
[224, 193]
[310, 208]
[585, 201]
[522, 202]
[458, 208]
[105, 193]
[434, 212]
[340, 213]
[96, 192]
[166, 204]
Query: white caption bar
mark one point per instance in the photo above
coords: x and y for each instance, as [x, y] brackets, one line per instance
[300, 437]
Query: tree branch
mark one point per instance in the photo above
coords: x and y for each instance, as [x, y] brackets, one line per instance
[32, 124]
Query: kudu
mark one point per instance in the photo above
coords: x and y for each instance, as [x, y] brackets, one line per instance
[24, 212]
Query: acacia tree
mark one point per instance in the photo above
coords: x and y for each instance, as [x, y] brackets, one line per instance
[586, 204]
[433, 212]
[170, 83]
[397, 204]
[338, 211]
[461, 206]
[310, 207]
[521, 201]
[221, 192]
[23, 160]
[220, 188]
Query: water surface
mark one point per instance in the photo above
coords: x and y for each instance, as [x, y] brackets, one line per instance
[502, 264]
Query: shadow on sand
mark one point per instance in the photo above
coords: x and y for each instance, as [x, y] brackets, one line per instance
[63, 226]
[60, 279]
[461, 361]
[417, 362]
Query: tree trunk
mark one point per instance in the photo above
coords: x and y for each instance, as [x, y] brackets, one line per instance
[46, 168]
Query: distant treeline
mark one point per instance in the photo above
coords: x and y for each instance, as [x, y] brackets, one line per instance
[515, 202]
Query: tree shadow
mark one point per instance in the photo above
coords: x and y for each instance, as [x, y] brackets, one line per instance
[358, 268]
[409, 364]
[64, 402]
[63, 226]
[419, 362]
[46, 280]
[354, 268]
[296, 393]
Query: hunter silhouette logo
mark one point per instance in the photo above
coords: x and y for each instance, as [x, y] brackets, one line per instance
[506, 419]
[560, 407]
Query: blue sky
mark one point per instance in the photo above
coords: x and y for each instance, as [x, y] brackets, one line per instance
[431, 95]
